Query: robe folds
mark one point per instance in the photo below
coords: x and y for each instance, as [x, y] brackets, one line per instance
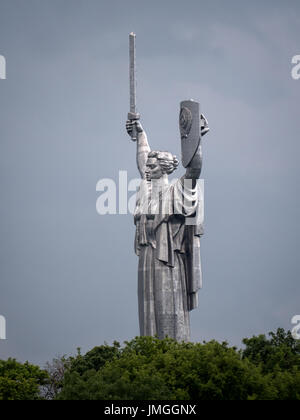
[167, 242]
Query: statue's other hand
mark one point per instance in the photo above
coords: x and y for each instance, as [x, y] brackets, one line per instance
[204, 125]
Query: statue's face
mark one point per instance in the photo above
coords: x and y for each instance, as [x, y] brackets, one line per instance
[153, 169]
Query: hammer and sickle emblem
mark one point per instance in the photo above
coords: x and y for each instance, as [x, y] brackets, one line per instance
[185, 121]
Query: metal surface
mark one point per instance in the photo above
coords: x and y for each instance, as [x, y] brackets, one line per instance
[132, 72]
[132, 115]
[166, 243]
[189, 124]
[168, 247]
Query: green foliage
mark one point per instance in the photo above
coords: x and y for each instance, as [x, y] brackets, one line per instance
[279, 360]
[20, 381]
[280, 351]
[94, 359]
[148, 369]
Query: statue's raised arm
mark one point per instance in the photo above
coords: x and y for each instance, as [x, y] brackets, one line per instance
[133, 125]
[142, 145]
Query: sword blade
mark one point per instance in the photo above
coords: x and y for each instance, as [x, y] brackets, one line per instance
[132, 72]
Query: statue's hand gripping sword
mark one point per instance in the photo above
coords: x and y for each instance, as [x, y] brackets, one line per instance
[132, 115]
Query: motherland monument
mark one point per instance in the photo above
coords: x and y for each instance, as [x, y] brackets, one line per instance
[168, 226]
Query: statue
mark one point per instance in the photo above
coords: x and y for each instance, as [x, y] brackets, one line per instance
[168, 246]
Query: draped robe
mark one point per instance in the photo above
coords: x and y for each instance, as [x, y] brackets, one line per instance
[169, 269]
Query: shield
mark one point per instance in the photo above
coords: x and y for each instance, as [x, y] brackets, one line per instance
[190, 130]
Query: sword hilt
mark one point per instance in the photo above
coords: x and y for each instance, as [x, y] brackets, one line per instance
[133, 116]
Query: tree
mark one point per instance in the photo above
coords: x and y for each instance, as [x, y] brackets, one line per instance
[279, 359]
[148, 369]
[56, 372]
[95, 359]
[281, 351]
[20, 381]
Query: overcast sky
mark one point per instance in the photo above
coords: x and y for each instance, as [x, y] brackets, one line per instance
[68, 276]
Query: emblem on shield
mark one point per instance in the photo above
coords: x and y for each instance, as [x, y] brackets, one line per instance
[189, 125]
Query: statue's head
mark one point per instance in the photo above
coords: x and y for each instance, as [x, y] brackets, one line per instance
[159, 164]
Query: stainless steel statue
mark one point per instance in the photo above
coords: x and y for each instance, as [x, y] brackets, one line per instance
[168, 229]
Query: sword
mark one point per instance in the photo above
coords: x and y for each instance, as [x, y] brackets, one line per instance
[132, 115]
